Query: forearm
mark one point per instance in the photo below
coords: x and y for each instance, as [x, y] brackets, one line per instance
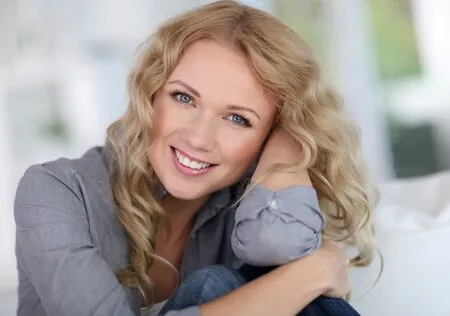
[281, 151]
[279, 180]
[284, 292]
[280, 219]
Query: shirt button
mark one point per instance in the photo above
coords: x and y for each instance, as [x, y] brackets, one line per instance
[273, 204]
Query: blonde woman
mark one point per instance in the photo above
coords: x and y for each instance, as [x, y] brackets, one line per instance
[207, 191]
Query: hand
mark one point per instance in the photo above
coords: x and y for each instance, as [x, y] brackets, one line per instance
[281, 148]
[334, 264]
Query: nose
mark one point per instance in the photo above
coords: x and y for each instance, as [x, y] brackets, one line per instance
[199, 134]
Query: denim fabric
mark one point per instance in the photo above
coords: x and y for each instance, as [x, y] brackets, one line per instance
[212, 282]
[204, 286]
[321, 306]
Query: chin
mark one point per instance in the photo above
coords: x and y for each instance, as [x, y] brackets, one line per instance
[185, 193]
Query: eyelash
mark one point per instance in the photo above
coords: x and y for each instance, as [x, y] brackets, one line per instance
[245, 121]
[176, 93]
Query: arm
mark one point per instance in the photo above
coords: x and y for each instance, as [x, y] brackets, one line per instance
[54, 249]
[280, 219]
[288, 289]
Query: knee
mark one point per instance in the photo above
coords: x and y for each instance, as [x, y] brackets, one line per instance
[217, 270]
[219, 275]
[212, 282]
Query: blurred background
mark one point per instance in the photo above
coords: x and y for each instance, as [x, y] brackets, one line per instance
[63, 67]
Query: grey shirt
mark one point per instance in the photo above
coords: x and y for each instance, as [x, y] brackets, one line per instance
[70, 244]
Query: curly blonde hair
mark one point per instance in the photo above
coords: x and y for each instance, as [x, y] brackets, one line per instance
[307, 108]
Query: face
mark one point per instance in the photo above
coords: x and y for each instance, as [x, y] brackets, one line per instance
[212, 117]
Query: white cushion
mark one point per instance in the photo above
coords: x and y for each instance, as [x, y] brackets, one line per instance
[412, 227]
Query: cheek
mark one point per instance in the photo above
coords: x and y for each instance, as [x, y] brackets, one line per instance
[158, 123]
[240, 154]
[166, 119]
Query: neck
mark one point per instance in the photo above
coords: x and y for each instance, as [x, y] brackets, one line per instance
[181, 213]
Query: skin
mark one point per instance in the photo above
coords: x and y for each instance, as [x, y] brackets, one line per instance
[209, 101]
[212, 108]
[197, 113]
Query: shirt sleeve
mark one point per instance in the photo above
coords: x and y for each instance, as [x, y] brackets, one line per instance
[273, 228]
[55, 251]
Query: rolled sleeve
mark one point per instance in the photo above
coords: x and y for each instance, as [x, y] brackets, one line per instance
[273, 228]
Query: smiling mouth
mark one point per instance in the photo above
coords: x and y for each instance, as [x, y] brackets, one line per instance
[189, 164]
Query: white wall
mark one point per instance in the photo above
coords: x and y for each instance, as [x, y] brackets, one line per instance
[355, 74]
[7, 261]
[432, 22]
[8, 32]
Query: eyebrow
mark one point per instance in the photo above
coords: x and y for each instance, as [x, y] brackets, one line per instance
[243, 108]
[184, 84]
[197, 95]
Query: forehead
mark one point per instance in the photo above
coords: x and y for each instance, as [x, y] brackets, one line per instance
[221, 74]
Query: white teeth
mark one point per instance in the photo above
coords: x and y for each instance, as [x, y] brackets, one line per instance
[185, 161]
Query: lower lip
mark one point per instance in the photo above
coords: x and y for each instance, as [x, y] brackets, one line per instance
[189, 171]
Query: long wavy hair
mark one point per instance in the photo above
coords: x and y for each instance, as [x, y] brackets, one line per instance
[307, 108]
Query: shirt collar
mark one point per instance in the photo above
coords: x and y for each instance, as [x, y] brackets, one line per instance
[217, 203]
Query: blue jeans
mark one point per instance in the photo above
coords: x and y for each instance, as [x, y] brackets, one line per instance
[212, 282]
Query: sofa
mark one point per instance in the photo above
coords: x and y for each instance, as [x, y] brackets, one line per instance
[412, 228]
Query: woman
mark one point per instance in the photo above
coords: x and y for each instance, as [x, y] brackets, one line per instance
[228, 129]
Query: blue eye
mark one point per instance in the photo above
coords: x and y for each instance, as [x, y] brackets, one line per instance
[182, 97]
[239, 120]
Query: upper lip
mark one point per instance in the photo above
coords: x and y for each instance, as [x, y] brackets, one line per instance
[191, 157]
